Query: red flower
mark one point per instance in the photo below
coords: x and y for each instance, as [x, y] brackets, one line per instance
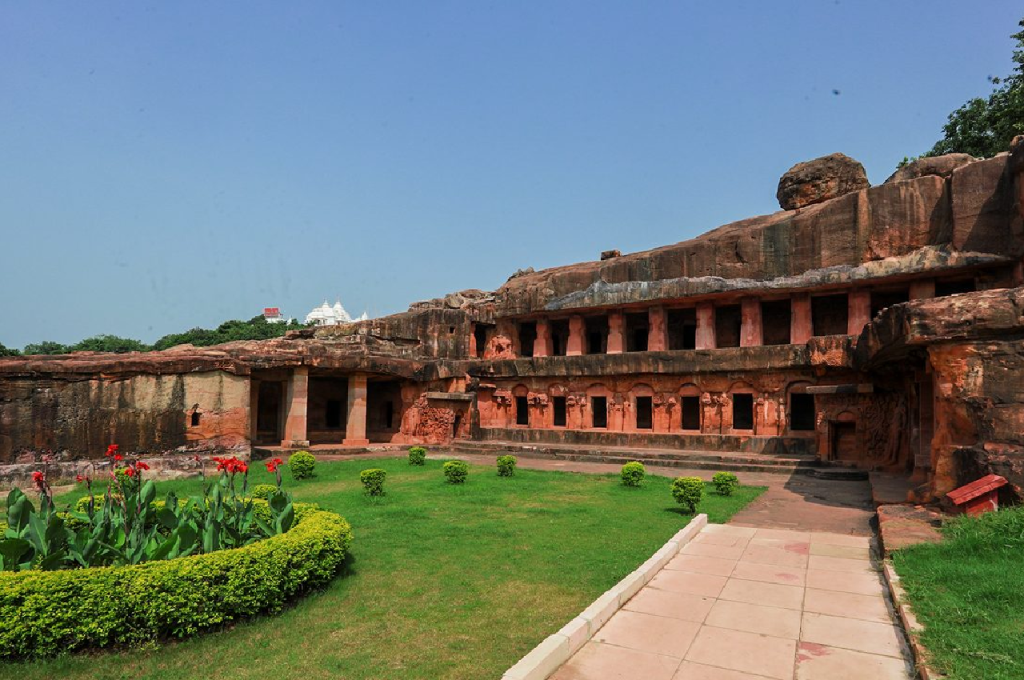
[242, 467]
[79, 478]
[278, 461]
[111, 450]
[38, 477]
[142, 465]
[118, 456]
[271, 466]
[130, 472]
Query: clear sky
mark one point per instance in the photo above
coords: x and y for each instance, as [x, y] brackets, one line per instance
[166, 165]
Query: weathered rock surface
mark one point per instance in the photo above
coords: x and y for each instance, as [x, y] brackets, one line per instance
[942, 166]
[820, 180]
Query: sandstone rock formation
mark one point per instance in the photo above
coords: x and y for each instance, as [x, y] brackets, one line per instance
[820, 180]
[942, 166]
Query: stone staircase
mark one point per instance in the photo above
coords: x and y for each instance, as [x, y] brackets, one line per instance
[730, 461]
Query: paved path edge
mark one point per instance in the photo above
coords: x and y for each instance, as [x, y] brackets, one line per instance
[557, 648]
[911, 626]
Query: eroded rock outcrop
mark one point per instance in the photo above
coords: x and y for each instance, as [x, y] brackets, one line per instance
[941, 166]
[820, 180]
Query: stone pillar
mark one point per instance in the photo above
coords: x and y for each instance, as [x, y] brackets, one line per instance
[355, 426]
[750, 324]
[577, 329]
[922, 289]
[616, 333]
[542, 345]
[859, 311]
[801, 325]
[657, 329]
[705, 325]
[295, 404]
[472, 343]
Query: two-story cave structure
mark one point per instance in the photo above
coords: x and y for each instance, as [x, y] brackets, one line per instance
[868, 327]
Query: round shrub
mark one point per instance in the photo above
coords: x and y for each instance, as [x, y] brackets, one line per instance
[417, 455]
[456, 471]
[373, 481]
[261, 491]
[506, 466]
[302, 464]
[633, 474]
[688, 491]
[725, 483]
[59, 611]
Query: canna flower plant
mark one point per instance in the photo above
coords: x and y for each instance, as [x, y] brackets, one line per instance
[127, 525]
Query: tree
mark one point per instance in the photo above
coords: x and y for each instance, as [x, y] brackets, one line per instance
[985, 127]
[5, 352]
[45, 347]
[109, 343]
[256, 328]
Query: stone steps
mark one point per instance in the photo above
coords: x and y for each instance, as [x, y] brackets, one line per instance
[700, 460]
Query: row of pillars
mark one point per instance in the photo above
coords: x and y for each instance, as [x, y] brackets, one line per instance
[297, 407]
[801, 323]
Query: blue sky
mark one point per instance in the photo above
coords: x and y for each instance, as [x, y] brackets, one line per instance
[171, 165]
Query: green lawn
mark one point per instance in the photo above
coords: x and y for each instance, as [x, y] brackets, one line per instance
[968, 592]
[443, 581]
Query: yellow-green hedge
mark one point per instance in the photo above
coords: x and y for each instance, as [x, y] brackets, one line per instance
[46, 612]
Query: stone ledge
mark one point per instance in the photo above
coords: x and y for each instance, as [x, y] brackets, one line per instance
[911, 626]
[556, 649]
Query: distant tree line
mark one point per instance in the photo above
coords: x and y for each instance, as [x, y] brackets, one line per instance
[255, 328]
[985, 126]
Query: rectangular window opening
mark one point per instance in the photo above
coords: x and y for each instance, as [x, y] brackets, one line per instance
[559, 407]
[801, 412]
[728, 320]
[943, 288]
[480, 334]
[637, 332]
[527, 334]
[743, 411]
[884, 299]
[332, 414]
[559, 337]
[691, 413]
[776, 317]
[644, 413]
[829, 314]
[682, 329]
[599, 408]
[522, 411]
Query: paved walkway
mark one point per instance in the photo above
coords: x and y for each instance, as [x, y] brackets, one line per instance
[743, 603]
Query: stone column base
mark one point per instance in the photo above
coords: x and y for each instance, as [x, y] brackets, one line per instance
[292, 443]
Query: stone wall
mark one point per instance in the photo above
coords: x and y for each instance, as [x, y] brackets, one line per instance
[79, 416]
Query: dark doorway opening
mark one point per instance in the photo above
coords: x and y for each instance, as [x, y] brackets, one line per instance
[558, 403]
[268, 412]
[195, 418]
[884, 299]
[522, 411]
[455, 424]
[480, 335]
[943, 288]
[559, 337]
[527, 335]
[682, 329]
[691, 413]
[637, 332]
[728, 320]
[743, 411]
[830, 314]
[801, 412]
[597, 334]
[599, 408]
[332, 414]
[776, 317]
[389, 414]
[644, 413]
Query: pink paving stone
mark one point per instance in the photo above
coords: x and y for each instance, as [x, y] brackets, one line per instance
[849, 605]
[863, 583]
[767, 573]
[648, 633]
[860, 636]
[685, 582]
[724, 552]
[746, 652]
[774, 555]
[767, 594]
[820, 662]
[755, 618]
[721, 539]
[698, 671]
[839, 564]
[699, 564]
[684, 606]
[607, 662]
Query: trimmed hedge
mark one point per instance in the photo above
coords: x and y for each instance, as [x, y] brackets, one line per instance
[506, 466]
[302, 464]
[262, 491]
[455, 471]
[633, 473]
[725, 483]
[43, 613]
[373, 481]
[417, 455]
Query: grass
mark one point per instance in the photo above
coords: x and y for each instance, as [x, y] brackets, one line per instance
[968, 592]
[443, 581]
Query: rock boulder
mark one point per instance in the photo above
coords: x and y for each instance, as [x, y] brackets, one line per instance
[943, 166]
[819, 180]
